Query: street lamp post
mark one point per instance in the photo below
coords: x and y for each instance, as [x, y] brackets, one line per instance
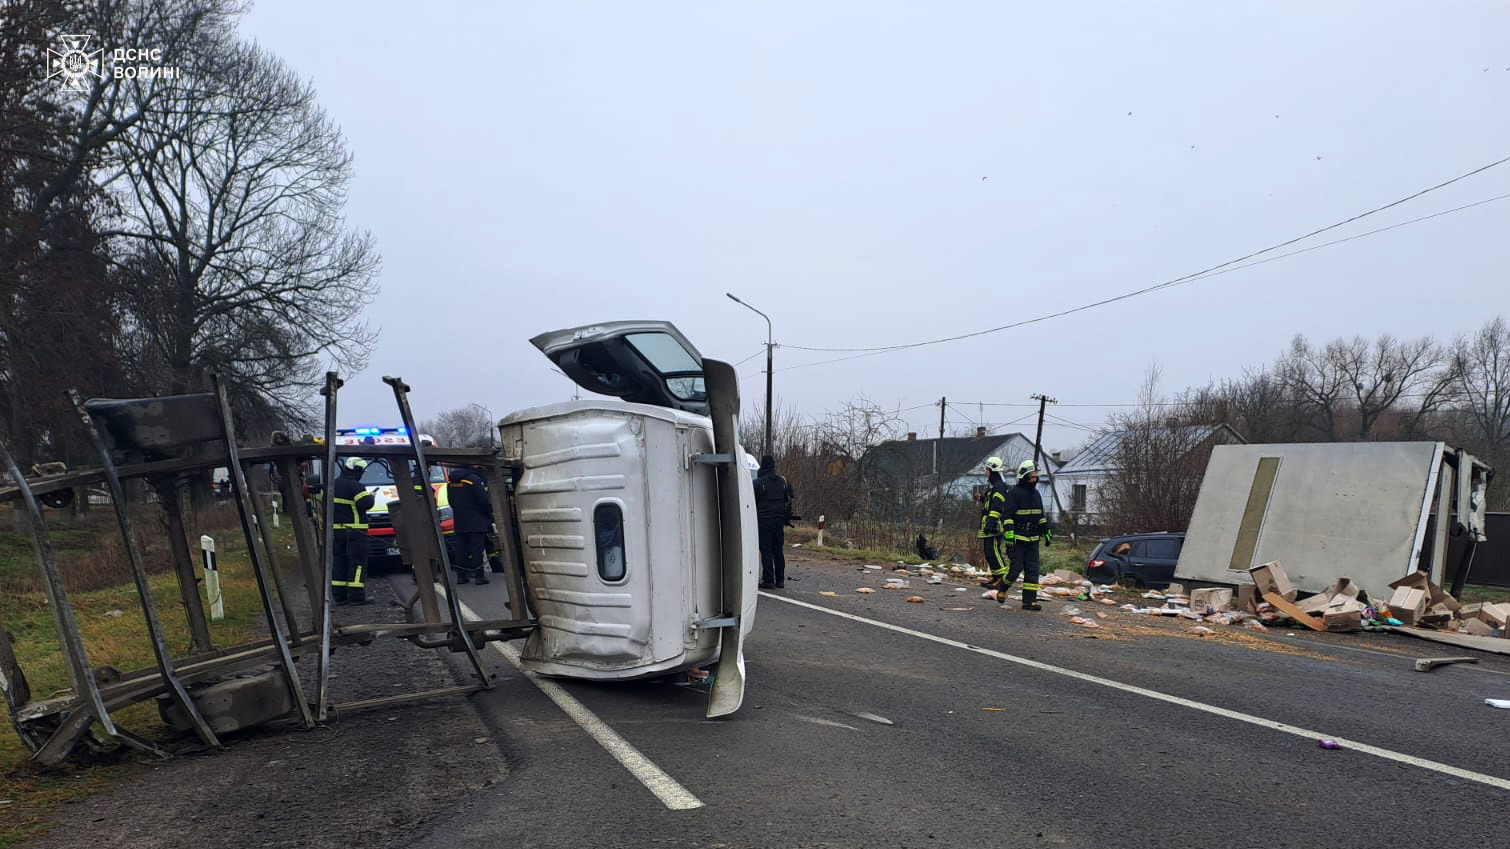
[769, 344]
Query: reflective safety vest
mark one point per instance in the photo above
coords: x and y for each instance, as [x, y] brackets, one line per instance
[1023, 514]
[351, 500]
[993, 504]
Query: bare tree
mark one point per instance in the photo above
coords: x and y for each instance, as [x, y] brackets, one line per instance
[472, 426]
[1161, 458]
[1481, 364]
[241, 260]
[1348, 387]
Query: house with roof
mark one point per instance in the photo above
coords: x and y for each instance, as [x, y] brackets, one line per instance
[1079, 479]
[905, 472]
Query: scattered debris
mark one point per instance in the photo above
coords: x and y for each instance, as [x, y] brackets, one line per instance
[871, 568]
[991, 594]
[1070, 610]
[115, 614]
[827, 593]
[999, 710]
[960, 589]
[1153, 594]
[917, 599]
[1100, 615]
[1498, 703]
[875, 718]
[958, 609]
[1426, 664]
[1080, 620]
[1110, 602]
[865, 590]
[935, 579]
[1202, 630]
[1329, 744]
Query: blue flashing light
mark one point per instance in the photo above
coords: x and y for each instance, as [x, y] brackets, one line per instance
[404, 431]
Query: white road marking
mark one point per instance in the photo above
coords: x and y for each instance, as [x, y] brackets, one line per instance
[671, 793]
[1354, 745]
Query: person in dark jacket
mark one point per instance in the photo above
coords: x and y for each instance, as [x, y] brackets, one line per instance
[1025, 525]
[472, 512]
[992, 508]
[773, 506]
[351, 545]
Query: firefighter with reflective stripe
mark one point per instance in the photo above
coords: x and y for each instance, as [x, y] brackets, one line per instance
[472, 510]
[992, 504]
[1025, 526]
[351, 543]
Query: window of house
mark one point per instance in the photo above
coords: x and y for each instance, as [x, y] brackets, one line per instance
[1077, 498]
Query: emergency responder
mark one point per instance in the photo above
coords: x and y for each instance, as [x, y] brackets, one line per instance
[773, 508]
[351, 543]
[472, 512]
[1025, 525]
[992, 502]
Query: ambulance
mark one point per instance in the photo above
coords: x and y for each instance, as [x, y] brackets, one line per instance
[378, 480]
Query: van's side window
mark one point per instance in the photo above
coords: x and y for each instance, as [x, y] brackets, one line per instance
[608, 527]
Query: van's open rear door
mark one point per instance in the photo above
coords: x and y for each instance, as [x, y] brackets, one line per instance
[737, 593]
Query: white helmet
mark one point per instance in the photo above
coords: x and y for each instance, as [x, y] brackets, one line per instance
[357, 464]
[995, 464]
[1026, 469]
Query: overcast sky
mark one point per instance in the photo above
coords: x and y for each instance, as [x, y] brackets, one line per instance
[875, 173]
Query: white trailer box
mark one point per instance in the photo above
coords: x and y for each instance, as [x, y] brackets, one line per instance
[1330, 510]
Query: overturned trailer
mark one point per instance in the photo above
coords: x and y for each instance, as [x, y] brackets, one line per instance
[1370, 511]
[630, 550]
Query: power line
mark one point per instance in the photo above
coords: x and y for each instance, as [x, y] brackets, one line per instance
[750, 357]
[1239, 262]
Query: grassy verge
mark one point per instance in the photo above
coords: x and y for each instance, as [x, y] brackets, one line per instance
[1062, 555]
[1474, 593]
[114, 632]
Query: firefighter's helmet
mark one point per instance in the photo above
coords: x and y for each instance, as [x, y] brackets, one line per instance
[994, 464]
[357, 464]
[1026, 469]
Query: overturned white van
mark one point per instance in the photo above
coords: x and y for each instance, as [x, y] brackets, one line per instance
[636, 517]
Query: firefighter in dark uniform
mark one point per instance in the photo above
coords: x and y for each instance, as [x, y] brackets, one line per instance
[773, 509]
[1025, 525]
[472, 512]
[351, 543]
[992, 502]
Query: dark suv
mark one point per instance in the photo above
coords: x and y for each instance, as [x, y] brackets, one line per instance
[1144, 560]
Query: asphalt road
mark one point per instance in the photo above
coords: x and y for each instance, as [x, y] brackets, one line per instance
[853, 734]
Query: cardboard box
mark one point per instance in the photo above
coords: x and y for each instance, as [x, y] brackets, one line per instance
[1247, 598]
[1316, 604]
[1345, 613]
[1210, 600]
[1271, 578]
[1471, 611]
[1495, 614]
[1408, 604]
[1347, 620]
[1478, 628]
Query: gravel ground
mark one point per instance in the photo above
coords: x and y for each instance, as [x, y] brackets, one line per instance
[373, 779]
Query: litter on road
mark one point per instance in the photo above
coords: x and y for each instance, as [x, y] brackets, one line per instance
[1498, 703]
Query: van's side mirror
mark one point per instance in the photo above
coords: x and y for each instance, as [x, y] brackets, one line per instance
[314, 482]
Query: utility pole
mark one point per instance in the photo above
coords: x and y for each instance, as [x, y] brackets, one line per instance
[938, 482]
[1043, 402]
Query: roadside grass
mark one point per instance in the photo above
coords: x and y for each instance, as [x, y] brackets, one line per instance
[965, 548]
[115, 635]
[1473, 593]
